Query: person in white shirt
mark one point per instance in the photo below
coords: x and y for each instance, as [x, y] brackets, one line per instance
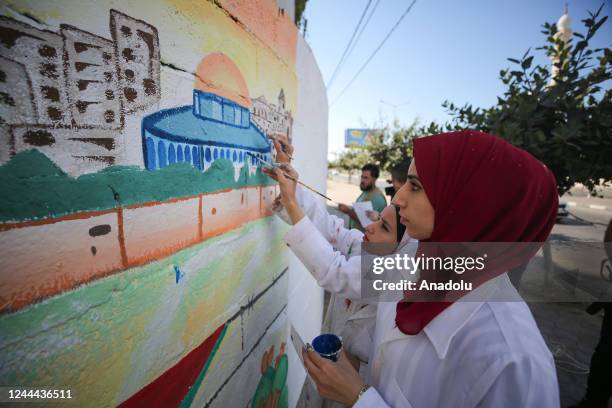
[481, 351]
[338, 263]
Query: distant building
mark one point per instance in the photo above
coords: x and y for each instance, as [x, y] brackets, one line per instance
[564, 32]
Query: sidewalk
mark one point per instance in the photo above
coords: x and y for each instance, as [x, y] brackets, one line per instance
[342, 192]
[570, 333]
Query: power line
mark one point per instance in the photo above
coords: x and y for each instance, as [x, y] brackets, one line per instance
[363, 27]
[365, 10]
[374, 53]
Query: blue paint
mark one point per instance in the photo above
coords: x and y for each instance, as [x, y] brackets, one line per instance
[150, 156]
[216, 154]
[207, 154]
[178, 275]
[171, 154]
[328, 345]
[235, 157]
[161, 151]
[182, 126]
[179, 154]
[196, 157]
[228, 113]
[187, 154]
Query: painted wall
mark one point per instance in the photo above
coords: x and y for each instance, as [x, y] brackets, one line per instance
[140, 263]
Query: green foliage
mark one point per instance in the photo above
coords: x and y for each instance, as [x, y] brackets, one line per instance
[32, 186]
[300, 6]
[564, 121]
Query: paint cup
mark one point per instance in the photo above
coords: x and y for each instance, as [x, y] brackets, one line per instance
[328, 346]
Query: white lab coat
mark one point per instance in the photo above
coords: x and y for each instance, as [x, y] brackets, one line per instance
[345, 244]
[478, 353]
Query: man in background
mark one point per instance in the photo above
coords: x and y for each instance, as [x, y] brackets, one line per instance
[399, 175]
[369, 192]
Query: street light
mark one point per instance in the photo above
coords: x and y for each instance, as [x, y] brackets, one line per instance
[395, 106]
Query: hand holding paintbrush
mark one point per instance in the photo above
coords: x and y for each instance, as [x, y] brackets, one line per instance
[287, 181]
[288, 172]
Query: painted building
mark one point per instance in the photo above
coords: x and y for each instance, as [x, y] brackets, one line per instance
[214, 127]
[60, 82]
[273, 120]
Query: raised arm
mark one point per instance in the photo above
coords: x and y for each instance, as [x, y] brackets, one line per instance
[332, 270]
[347, 241]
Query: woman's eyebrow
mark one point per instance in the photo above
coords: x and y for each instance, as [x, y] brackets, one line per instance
[386, 223]
[413, 177]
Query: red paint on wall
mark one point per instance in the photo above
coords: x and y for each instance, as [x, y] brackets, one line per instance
[170, 388]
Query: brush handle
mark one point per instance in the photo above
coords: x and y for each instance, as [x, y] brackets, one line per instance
[277, 165]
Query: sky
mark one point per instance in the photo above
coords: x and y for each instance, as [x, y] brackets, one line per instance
[443, 50]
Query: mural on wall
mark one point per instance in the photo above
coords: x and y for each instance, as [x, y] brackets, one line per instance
[67, 93]
[216, 126]
[155, 277]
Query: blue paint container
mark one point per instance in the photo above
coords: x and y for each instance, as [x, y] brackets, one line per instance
[328, 346]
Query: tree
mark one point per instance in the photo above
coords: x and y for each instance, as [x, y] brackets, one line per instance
[351, 160]
[388, 146]
[392, 144]
[566, 123]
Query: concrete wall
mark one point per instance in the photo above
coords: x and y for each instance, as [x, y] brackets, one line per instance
[171, 285]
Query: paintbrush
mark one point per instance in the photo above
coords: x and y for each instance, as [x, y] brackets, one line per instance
[278, 165]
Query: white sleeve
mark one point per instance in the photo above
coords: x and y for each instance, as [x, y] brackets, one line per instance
[371, 399]
[523, 381]
[347, 241]
[332, 270]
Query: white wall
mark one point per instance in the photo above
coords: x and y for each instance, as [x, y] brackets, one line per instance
[305, 307]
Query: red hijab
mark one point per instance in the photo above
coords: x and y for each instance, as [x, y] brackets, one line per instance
[483, 189]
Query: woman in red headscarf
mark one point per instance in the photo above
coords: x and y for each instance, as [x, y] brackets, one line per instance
[484, 349]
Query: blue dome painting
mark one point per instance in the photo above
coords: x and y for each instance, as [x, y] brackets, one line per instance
[216, 126]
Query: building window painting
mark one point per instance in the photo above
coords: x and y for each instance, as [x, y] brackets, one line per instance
[228, 113]
[207, 154]
[171, 154]
[216, 109]
[208, 105]
[235, 157]
[245, 118]
[150, 154]
[187, 154]
[161, 154]
[238, 117]
[179, 154]
[205, 105]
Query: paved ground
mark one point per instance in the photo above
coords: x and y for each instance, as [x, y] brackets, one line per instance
[569, 331]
